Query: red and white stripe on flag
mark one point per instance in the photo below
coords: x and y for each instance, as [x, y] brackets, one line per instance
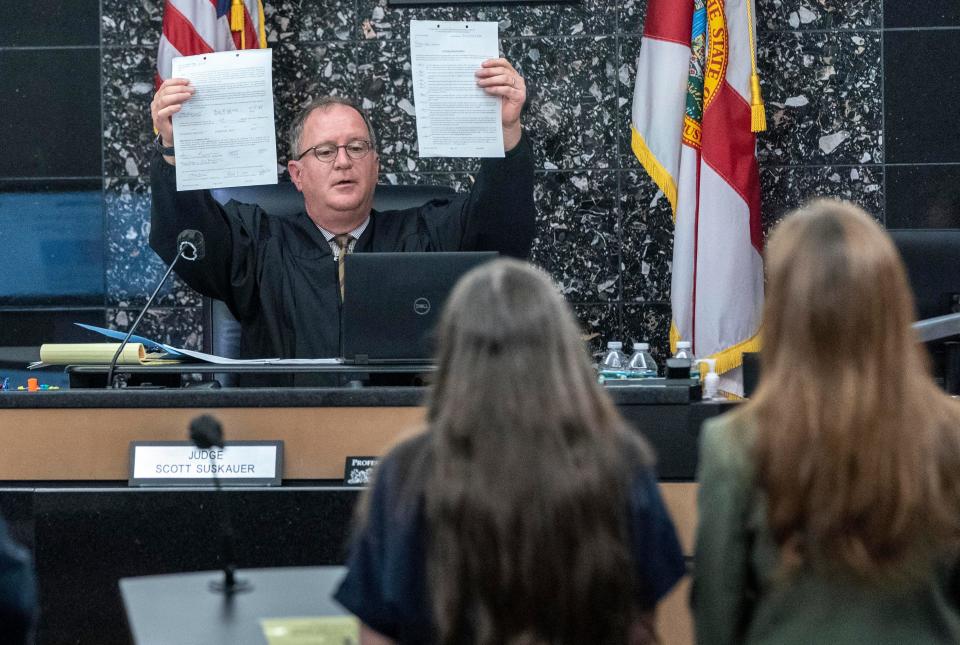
[707, 169]
[193, 27]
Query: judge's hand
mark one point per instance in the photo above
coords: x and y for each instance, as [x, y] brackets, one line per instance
[166, 102]
[497, 77]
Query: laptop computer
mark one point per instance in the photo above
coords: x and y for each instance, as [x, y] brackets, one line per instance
[392, 302]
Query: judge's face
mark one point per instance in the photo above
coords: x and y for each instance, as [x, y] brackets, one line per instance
[338, 193]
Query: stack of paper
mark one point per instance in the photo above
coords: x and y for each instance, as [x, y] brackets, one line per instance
[143, 351]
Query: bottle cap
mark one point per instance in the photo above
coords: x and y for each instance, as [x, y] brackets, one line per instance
[614, 344]
[683, 344]
[33, 384]
[641, 347]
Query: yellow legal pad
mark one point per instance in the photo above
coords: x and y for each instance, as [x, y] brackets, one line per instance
[317, 630]
[99, 354]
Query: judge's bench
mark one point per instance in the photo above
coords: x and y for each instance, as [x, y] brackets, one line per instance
[64, 466]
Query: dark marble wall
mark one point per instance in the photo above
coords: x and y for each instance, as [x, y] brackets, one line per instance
[860, 105]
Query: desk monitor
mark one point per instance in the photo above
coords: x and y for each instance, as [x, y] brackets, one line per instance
[392, 302]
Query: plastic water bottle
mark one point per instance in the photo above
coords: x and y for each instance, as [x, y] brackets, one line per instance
[641, 363]
[614, 364]
[684, 351]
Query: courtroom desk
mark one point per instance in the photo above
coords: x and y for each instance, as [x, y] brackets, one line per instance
[85, 434]
[179, 608]
[89, 529]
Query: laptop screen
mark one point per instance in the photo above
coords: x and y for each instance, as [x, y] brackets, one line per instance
[392, 302]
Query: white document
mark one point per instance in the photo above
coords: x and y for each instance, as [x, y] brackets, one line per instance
[220, 360]
[225, 135]
[455, 117]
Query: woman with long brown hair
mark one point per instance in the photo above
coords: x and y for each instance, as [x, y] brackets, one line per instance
[830, 503]
[527, 513]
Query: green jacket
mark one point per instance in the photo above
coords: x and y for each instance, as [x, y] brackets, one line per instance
[740, 596]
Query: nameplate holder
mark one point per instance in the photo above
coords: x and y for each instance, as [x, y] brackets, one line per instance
[358, 470]
[180, 463]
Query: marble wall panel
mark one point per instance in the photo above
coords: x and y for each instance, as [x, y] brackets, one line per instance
[380, 20]
[804, 15]
[132, 268]
[386, 91]
[786, 188]
[571, 99]
[458, 181]
[630, 16]
[647, 236]
[628, 48]
[311, 21]
[176, 326]
[649, 323]
[127, 75]
[823, 96]
[125, 23]
[569, 113]
[577, 239]
[305, 72]
[599, 324]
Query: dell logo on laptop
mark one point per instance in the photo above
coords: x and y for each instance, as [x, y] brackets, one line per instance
[421, 306]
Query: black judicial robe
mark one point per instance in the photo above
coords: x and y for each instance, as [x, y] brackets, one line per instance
[277, 274]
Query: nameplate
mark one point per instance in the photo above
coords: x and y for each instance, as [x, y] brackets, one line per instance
[359, 470]
[180, 463]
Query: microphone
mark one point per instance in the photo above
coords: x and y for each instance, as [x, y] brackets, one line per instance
[206, 433]
[190, 247]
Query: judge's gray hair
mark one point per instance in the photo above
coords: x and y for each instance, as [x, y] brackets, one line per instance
[323, 103]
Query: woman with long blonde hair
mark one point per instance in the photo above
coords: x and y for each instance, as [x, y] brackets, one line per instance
[830, 502]
[528, 512]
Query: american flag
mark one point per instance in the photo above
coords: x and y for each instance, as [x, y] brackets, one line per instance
[202, 26]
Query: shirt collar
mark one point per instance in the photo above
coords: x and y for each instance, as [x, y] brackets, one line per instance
[355, 233]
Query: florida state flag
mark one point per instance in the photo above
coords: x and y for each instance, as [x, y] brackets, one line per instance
[696, 106]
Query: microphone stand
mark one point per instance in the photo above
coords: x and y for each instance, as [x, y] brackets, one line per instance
[185, 245]
[230, 583]
[206, 433]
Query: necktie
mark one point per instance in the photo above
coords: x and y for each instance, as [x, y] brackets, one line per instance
[343, 243]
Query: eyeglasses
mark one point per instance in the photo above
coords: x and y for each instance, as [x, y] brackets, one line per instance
[327, 152]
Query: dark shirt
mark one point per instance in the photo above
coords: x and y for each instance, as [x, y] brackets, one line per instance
[277, 274]
[386, 585]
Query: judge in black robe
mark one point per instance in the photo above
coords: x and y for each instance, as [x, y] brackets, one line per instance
[278, 275]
